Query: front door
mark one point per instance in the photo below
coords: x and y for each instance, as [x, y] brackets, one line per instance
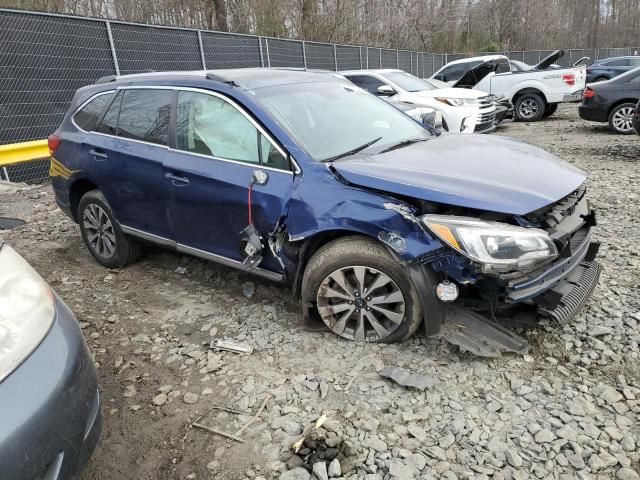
[218, 152]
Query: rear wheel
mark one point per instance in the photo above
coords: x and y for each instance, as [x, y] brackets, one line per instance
[550, 110]
[601, 79]
[102, 234]
[529, 107]
[361, 292]
[621, 119]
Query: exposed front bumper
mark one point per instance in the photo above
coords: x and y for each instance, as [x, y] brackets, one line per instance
[51, 417]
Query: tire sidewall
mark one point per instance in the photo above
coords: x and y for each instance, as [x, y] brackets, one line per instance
[530, 96]
[613, 112]
[121, 254]
[328, 259]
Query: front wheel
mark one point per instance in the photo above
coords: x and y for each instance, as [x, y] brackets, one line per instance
[529, 107]
[621, 119]
[361, 292]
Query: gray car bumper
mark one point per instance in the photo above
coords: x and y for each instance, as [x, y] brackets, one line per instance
[50, 421]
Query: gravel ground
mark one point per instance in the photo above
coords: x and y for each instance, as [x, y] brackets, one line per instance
[569, 409]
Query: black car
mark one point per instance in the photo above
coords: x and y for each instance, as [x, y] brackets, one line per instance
[608, 68]
[612, 101]
[636, 119]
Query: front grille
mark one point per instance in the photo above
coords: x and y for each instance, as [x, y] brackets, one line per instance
[481, 127]
[484, 117]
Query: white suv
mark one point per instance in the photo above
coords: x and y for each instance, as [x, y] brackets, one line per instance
[463, 110]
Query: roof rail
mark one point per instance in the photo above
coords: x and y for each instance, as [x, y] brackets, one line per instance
[107, 79]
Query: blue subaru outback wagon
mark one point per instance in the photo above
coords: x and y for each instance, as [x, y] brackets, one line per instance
[377, 225]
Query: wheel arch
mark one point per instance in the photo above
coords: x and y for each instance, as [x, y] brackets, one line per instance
[77, 189]
[524, 91]
[620, 102]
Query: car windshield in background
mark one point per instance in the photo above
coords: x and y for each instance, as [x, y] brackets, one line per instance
[330, 119]
[408, 82]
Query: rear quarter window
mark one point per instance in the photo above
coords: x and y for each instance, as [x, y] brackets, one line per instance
[88, 116]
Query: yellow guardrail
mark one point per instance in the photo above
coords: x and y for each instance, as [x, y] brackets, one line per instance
[23, 152]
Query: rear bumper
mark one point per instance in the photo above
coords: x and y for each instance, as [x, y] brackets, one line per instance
[593, 113]
[54, 419]
[573, 97]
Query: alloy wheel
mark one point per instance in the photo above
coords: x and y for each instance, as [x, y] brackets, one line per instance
[622, 119]
[361, 303]
[99, 231]
[528, 108]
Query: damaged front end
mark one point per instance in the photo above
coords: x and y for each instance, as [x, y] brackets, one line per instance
[553, 277]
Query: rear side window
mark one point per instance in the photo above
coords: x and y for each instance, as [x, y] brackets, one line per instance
[109, 123]
[145, 114]
[620, 62]
[87, 118]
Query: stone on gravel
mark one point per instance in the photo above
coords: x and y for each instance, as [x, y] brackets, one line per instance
[190, 398]
[334, 468]
[407, 379]
[297, 473]
[375, 444]
[159, 399]
[544, 436]
[320, 470]
[627, 474]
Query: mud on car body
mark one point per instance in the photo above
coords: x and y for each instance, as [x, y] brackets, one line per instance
[376, 224]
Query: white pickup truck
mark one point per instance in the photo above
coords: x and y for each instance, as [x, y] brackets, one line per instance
[535, 93]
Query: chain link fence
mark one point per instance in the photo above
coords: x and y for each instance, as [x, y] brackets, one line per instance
[45, 58]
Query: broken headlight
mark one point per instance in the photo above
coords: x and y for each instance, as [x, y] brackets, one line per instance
[497, 247]
[26, 310]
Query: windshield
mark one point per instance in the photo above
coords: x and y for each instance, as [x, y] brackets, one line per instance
[408, 82]
[330, 118]
[436, 83]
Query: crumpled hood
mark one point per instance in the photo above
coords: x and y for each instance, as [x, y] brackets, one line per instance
[483, 172]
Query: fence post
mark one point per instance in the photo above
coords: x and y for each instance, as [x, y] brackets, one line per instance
[397, 58]
[380, 56]
[266, 41]
[204, 62]
[360, 55]
[112, 47]
[261, 56]
[335, 58]
[304, 55]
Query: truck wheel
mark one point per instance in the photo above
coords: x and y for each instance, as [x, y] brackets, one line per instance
[361, 292]
[102, 234]
[621, 119]
[550, 110]
[529, 107]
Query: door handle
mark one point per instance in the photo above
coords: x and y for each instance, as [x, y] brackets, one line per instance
[174, 178]
[99, 154]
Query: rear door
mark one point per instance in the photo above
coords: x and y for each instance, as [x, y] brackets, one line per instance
[218, 150]
[126, 152]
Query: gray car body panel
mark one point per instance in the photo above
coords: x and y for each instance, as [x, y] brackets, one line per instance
[50, 421]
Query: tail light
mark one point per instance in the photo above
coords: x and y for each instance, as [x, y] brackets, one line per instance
[588, 93]
[569, 79]
[54, 142]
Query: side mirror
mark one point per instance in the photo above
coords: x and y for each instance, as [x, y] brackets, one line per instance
[386, 91]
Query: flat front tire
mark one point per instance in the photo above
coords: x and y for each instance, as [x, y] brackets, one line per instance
[102, 234]
[361, 292]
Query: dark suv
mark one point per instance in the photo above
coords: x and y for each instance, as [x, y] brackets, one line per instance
[305, 179]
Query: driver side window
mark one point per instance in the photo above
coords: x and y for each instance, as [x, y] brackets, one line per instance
[209, 125]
